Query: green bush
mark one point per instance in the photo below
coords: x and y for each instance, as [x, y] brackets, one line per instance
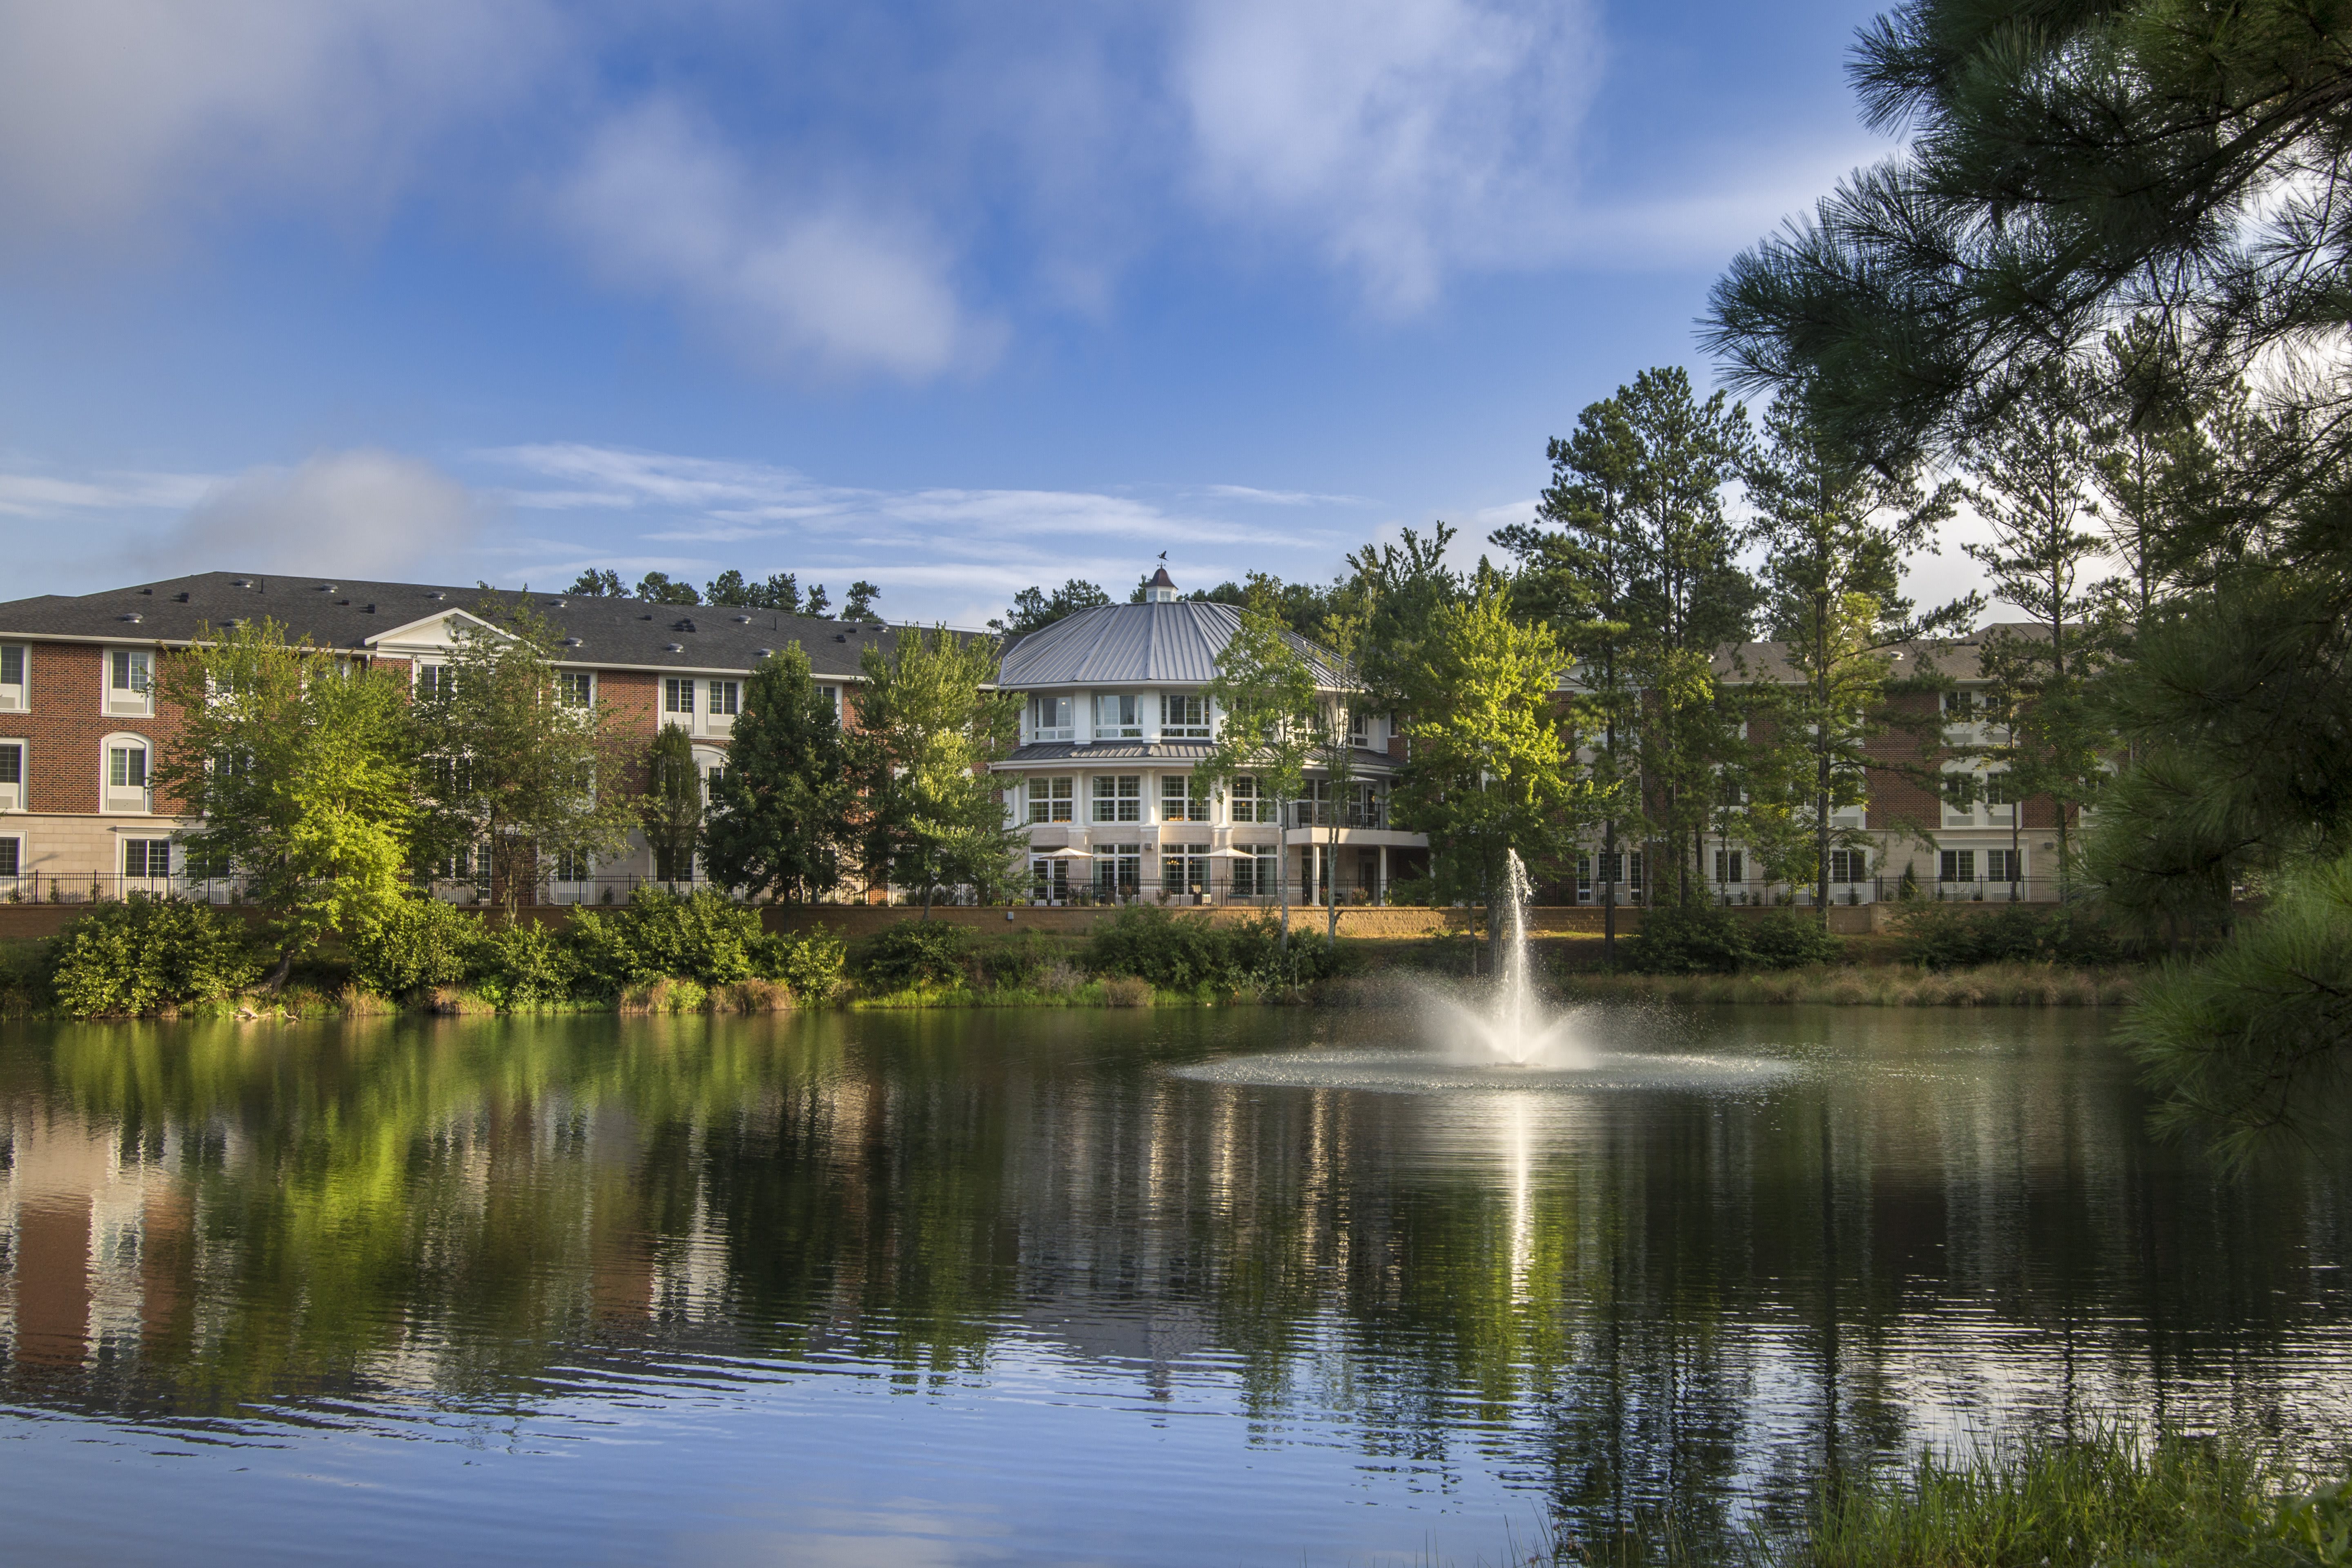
[810, 964]
[524, 965]
[914, 952]
[145, 954]
[422, 943]
[700, 936]
[1697, 939]
[1787, 940]
[1183, 952]
[1014, 962]
[1954, 936]
[24, 977]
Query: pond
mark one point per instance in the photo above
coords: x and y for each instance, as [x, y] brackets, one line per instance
[1085, 1286]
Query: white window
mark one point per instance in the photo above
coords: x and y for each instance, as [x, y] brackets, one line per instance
[576, 688]
[14, 693]
[711, 767]
[131, 676]
[1360, 728]
[571, 866]
[1180, 802]
[12, 775]
[12, 857]
[1185, 868]
[1118, 799]
[126, 773]
[147, 857]
[831, 696]
[1118, 718]
[1961, 706]
[1956, 866]
[435, 680]
[678, 694]
[1050, 800]
[1253, 877]
[1849, 866]
[1731, 866]
[1184, 718]
[726, 696]
[1251, 803]
[1053, 718]
[2003, 866]
[1998, 808]
[1961, 790]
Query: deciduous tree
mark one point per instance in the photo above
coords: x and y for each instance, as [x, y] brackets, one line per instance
[1264, 696]
[782, 810]
[927, 732]
[301, 765]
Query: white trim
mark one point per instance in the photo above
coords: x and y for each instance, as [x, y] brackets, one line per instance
[19, 698]
[106, 788]
[14, 797]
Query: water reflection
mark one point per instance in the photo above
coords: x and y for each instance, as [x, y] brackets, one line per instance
[1091, 1270]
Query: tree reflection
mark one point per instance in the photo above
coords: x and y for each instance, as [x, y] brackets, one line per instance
[1634, 1303]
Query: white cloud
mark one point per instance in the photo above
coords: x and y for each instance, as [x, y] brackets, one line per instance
[365, 513]
[1404, 137]
[42, 494]
[788, 276]
[114, 112]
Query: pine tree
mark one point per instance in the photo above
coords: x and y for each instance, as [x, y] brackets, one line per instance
[782, 809]
[1835, 534]
[670, 810]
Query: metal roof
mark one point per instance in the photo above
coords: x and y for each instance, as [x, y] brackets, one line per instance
[345, 613]
[1106, 754]
[1139, 645]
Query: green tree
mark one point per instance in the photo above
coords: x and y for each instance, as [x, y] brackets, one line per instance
[859, 605]
[514, 761]
[927, 733]
[782, 809]
[1396, 592]
[1489, 770]
[2032, 471]
[1033, 609]
[1267, 707]
[671, 809]
[729, 590]
[818, 601]
[595, 583]
[2076, 172]
[655, 587]
[1577, 573]
[302, 768]
[1835, 533]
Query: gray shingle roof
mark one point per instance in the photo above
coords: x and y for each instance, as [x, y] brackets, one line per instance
[343, 613]
[1954, 658]
[1138, 645]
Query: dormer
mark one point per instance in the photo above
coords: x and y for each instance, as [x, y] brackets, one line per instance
[1161, 589]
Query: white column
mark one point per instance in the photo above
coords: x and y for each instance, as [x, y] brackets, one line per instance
[1381, 889]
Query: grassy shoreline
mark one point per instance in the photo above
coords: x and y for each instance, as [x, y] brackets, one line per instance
[1858, 985]
[2108, 1499]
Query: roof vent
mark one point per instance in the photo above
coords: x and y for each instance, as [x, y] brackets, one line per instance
[149, 592]
[179, 598]
[572, 642]
[436, 594]
[742, 620]
[131, 617]
[343, 601]
[557, 604]
[241, 582]
[326, 587]
[644, 617]
[767, 652]
[837, 637]
[681, 626]
[673, 648]
[368, 608]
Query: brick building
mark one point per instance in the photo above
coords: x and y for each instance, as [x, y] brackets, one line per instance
[80, 726]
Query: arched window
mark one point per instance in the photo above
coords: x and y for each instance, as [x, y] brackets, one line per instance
[124, 763]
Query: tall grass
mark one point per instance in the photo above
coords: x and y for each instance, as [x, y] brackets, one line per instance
[1992, 985]
[2110, 1500]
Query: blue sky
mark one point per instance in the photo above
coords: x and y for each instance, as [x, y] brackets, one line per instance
[952, 297]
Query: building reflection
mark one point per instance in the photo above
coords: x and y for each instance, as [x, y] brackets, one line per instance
[1625, 1301]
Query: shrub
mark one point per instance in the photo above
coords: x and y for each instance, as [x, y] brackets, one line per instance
[698, 936]
[1127, 991]
[1786, 940]
[665, 996]
[524, 965]
[1944, 936]
[1014, 962]
[24, 977]
[810, 964]
[1182, 953]
[147, 954]
[914, 952]
[1697, 939]
[422, 943]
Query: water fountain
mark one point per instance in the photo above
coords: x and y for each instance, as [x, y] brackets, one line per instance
[1502, 1037]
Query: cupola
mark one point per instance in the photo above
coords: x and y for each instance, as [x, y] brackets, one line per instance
[1161, 589]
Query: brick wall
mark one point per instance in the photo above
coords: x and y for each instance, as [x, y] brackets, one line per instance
[64, 729]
